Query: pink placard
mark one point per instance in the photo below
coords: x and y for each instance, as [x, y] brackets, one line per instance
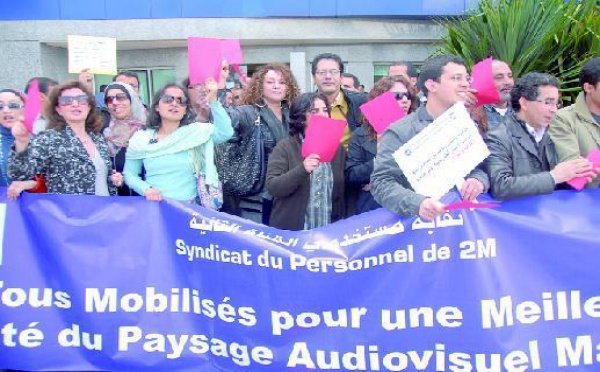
[465, 204]
[323, 137]
[382, 111]
[204, 59]
[483, 80]
[579, 183]
[33, 106]
[232, 51]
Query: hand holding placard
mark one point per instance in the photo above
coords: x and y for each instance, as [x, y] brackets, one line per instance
[322, 137]
[382, 111]
[578, 183]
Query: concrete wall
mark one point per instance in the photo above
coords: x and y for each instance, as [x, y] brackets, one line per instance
[39, 48]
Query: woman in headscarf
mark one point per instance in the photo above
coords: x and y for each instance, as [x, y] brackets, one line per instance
[127, 116]
[12, 104]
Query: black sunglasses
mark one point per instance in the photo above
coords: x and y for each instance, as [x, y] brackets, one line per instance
[167, 98]
[120, 97]
[10, 105]
[68, 100]
[400, 95]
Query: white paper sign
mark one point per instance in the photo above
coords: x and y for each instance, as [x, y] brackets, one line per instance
[98, 55]
[446, 150]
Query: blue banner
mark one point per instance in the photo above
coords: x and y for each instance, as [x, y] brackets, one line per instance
[121, 284]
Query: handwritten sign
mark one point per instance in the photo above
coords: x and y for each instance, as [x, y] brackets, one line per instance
[446, 149]
[98, 55]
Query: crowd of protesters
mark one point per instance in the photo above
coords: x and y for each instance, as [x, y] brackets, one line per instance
[172, 149]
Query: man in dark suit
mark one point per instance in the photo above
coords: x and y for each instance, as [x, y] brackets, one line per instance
[523, 158]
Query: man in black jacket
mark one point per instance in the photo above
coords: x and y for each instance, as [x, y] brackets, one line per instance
[327, 69]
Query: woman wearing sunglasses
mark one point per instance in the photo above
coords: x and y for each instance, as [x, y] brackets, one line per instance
[127, 115]
[173, 146]
[71, 153]
[363, 144]
[12, 106]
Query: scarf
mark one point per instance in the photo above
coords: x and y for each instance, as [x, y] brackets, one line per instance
[6, 141]
[119, 132]
[195, 138]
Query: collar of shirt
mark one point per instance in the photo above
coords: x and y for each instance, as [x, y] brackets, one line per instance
[339, 107]
[537, 134]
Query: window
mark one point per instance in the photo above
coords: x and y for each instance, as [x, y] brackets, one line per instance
[151, 80]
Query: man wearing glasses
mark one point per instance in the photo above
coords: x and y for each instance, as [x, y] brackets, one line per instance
[327, 70]
[575, 130]
[523, 159]
[445, 81]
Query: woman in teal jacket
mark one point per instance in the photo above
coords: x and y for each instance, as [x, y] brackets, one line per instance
[174, 147]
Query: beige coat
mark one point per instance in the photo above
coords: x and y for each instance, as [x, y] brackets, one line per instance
[574, 132]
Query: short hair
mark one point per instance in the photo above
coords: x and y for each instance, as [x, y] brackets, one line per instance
[130, 74]
[590, 72]
[154, 120]
[321, 56]
[433, 67]
[527, 87]
[44, 84]
[93, 122]
[355, 81]
[300, 106]
[411, 70]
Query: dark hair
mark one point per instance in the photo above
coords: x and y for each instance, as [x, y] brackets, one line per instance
[300, 106]
[527, 87]
[355, 81]
[411, 70]
[116, 86]
[321, 56]
[433, 68]
[44, 84]
[130, 74]
[383, 85]
[154, 120]
[252, 94]
[590, 72]
[55, 121]
[16, 93]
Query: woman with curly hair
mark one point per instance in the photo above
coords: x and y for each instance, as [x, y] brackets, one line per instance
[363, 144]
[307, 193]
[71, 153]
[265, 99]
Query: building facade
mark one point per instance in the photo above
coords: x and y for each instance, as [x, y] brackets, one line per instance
[152, 34]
